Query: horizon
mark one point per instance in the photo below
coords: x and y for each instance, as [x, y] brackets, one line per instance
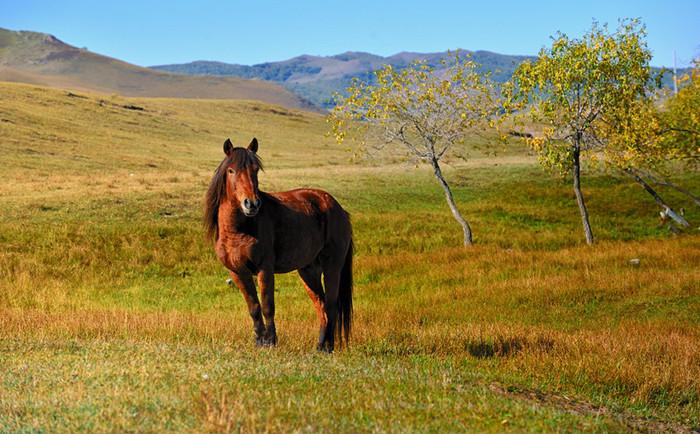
[278, 60]
[344, 52]
[143, 35]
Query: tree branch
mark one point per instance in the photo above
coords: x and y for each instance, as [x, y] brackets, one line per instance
[666, 183]
[667, 209]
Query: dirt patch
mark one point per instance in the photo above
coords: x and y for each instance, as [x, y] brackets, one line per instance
[133, 107]
[61, 56]
[577, 407]
[279, 112]
[75, 95]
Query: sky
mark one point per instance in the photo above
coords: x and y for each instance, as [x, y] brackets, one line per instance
[248, 32]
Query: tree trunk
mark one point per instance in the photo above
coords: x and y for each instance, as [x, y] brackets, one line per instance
[667, 183]
[579, 196]
[451, 202]
[667, 209]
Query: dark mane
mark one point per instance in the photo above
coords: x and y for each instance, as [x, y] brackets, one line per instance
[240, 159]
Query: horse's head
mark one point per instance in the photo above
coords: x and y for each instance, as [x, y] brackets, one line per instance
[241, 170]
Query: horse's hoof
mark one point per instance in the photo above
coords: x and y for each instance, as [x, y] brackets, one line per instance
[324, 348]
[266, 342]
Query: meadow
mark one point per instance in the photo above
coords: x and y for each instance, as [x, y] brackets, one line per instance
[115, 314]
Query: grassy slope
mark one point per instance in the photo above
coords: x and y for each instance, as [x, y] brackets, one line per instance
[114, 313]
[37, 58]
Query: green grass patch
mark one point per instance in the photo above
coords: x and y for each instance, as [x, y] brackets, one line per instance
[115, 314]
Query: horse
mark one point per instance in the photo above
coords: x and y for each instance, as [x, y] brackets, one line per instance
[260, 234]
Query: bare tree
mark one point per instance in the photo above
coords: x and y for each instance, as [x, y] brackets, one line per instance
[425, 111]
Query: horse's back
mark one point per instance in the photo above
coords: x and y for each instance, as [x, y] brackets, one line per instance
[308, 200]
[311, 218]
[314, 203]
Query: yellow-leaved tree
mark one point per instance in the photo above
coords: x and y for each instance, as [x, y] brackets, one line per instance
[680, 130]
[650, 139]
[424, 111]
[593, 98]
[680, 121]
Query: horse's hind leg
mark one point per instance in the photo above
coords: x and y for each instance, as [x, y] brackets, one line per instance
[333, 261]
[311, 276]
[331, 282]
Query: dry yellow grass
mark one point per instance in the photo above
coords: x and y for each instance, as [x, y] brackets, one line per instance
[576, 315]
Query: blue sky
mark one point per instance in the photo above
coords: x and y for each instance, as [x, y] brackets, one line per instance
[157, 32]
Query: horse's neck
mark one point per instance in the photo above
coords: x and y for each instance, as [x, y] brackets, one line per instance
[232, 222]
[230, 217]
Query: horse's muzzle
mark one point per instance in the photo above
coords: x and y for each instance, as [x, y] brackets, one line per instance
[250, 207]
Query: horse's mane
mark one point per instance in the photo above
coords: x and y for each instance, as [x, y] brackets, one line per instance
[240, 159]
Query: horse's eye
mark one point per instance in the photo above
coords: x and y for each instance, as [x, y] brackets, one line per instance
[231, 171]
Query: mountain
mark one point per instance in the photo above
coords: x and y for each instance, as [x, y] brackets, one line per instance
[39, 58]
[318, 78]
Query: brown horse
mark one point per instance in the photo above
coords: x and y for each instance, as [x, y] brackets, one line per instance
[260, 234]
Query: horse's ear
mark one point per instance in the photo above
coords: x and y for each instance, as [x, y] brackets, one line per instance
[228, 147]
[253, 145]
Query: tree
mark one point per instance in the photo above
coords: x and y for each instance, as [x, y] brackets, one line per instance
[680, 121]
[656, 137]
[585, 92]
[426, 112]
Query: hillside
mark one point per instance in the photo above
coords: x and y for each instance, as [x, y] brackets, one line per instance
[318, 78]
[38, 58]
[81, 133]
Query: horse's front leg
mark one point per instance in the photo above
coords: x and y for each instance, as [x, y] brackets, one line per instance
[245, 283]
[266, 282]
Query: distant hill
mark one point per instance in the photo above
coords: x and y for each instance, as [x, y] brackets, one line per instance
[39, 58]
[317, 78]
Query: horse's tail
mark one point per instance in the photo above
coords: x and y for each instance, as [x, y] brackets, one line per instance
[345, 298]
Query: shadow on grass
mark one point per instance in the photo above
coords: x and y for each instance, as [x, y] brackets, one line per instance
[505, 346]
[480, 347]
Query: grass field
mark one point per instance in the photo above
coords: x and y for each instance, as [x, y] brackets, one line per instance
[115, 315]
